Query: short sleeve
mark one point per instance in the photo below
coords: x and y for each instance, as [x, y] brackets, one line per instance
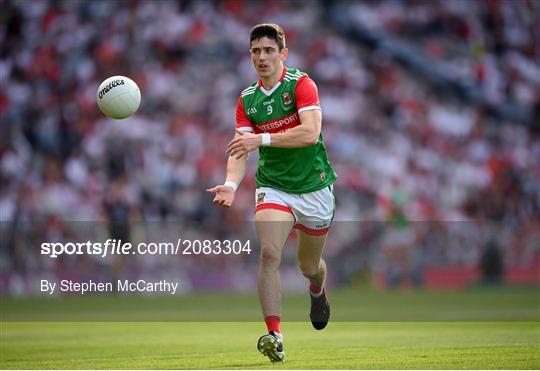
[242, 121]
[307, 96]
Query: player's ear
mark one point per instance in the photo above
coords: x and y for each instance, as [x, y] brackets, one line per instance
[284, 54]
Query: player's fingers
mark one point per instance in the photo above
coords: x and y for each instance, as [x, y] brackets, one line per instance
[239, 132]
[236, 142]
[219, 196]
[241, 155]
[236, 150]
[233, 142]
[213, 190]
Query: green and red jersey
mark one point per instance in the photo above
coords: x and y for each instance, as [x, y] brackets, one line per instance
[292, 170]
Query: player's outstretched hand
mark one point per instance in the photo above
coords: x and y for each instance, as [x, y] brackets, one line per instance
[243, 143]
[224, 195]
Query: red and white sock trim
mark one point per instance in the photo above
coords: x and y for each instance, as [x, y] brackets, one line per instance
[315, 290]
[273, 323]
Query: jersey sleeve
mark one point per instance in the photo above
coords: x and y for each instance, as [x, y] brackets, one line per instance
[242, 121]
[307, 96]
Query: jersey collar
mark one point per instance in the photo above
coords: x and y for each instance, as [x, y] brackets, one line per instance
[269, 92]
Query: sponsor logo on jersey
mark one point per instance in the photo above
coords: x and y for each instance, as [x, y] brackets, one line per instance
[269, 102]
[276, 126]
[286, 98]
[323, 176]
[251, 110]
[260, 198]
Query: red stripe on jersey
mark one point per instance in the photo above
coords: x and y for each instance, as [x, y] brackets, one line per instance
[279, 125]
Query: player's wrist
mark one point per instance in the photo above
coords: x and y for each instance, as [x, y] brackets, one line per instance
[232, 184]
[266, 139]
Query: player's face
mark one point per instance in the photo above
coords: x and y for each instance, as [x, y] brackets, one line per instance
[266, 57]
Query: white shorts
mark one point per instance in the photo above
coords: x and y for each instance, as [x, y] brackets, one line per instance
[313, 212]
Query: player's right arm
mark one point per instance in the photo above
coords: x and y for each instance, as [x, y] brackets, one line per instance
[236, 170]
[236, 167]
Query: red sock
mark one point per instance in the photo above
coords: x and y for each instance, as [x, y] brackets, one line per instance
[272, 323]
[315, 289]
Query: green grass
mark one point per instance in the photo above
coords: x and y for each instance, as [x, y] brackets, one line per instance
[221, 345]
[480, 328]
[351, 305]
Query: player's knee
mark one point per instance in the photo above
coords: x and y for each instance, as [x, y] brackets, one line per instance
[270, 256]
[309, 270]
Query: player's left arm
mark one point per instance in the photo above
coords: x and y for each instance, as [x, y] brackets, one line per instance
[303, 135]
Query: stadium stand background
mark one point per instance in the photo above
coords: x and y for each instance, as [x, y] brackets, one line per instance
[431, 117]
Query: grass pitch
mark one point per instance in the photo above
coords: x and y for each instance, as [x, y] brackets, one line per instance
[233, 346]
[473, 329]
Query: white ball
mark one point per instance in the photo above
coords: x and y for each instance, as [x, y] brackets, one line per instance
[118, 97]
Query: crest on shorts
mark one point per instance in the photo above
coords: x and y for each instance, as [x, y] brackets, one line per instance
[286, 98]
[260, 198]
[323, 176]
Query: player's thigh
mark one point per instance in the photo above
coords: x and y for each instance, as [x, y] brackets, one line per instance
[273, 227]
[310, 249]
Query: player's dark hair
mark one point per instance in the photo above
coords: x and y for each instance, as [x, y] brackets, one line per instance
[270, 30]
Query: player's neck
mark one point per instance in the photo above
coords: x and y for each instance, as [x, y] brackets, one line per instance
[270, 81]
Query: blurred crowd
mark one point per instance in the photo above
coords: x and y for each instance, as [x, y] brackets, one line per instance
[405, 156]
[491, 44]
